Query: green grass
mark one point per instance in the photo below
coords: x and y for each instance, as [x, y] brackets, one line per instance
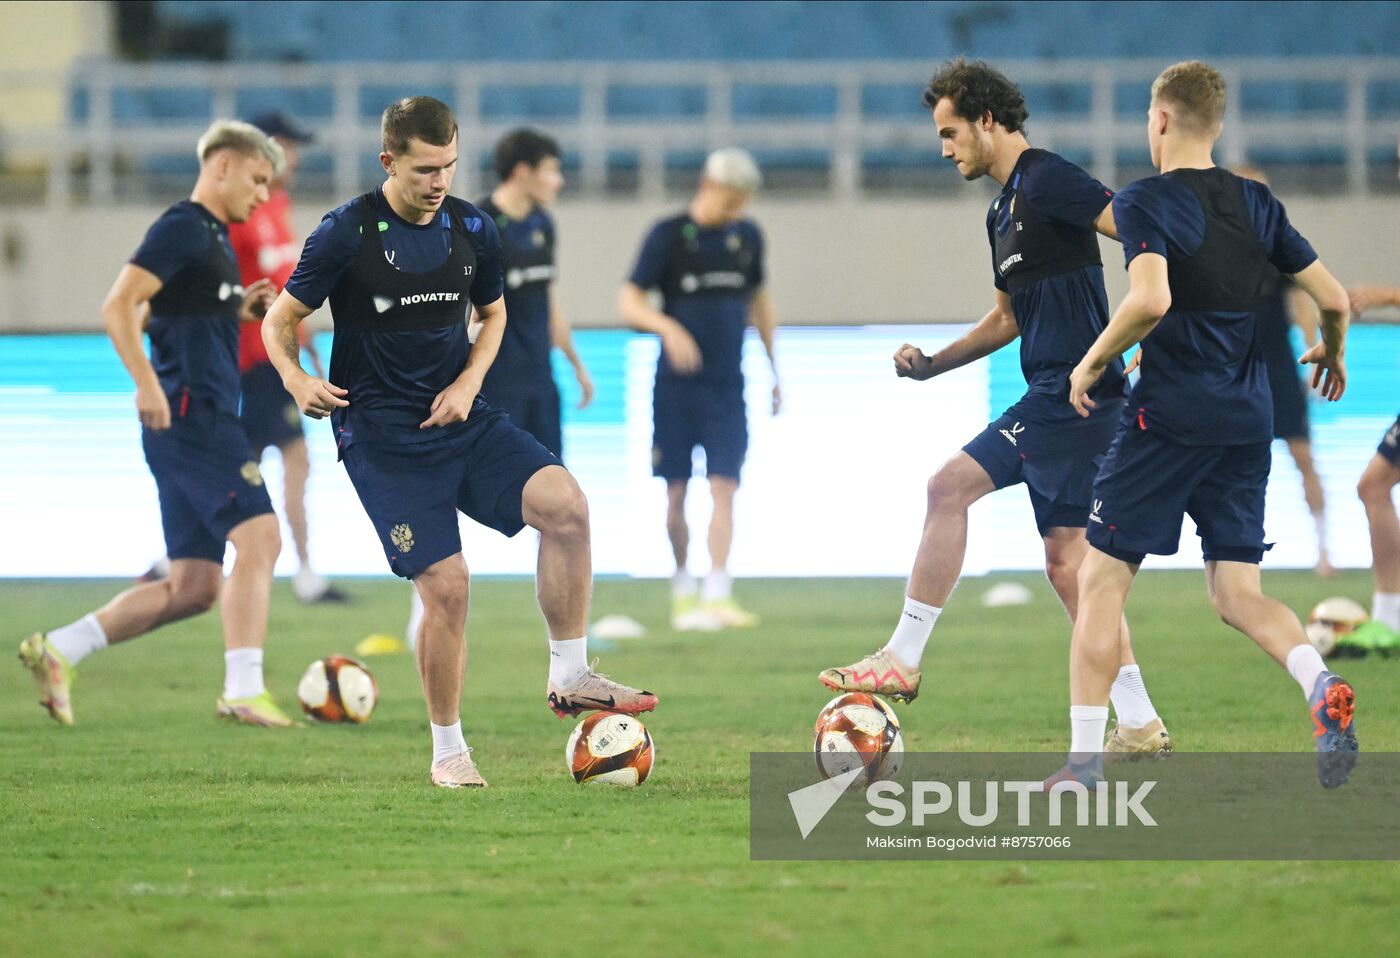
[150, 829]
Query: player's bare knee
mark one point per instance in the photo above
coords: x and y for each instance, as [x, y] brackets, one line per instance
[1231, 607]
[445, 591]
[1063, 576]
[1374, 490]
[193, 596]
[942, 491]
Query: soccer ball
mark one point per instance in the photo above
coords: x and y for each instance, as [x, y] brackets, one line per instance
[1331, 619]
[612, 748]
[858, 730]
[338, 689]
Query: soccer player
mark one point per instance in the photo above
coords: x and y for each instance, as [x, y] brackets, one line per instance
[266, 248]
[185, 275]
[520, 382]
[1376, 489]
[1282, 306]
[1049, 292]
[400, 265]
[1199, 242]
[708, 265]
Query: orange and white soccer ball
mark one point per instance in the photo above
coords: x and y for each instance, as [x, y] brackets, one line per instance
[338, 689]
[611, 748]
[858, 730]
[1331, 619]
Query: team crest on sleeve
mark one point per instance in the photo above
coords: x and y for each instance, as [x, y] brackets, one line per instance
[402, 537]
[251, 474]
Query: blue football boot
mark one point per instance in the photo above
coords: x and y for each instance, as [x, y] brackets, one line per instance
[1333, 708]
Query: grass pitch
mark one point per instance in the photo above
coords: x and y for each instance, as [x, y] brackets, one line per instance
[150, 829]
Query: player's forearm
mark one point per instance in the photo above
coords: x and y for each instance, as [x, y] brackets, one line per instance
[487, 345]
[992, 332]
[764, 319]
[123, 323]
[279, 335]
[1137, 316]
[561, 335]
[640, 315]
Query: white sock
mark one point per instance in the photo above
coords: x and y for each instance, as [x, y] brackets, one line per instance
[1320, 524]
[1087, 725]
[568, 659]
[1305, 665]
[243, 675]
[1130, 699]
[415, 618]
[717, 586]
[1385, 609]
[911, 634]
[447, 741]
[77, 641]
[683, 584]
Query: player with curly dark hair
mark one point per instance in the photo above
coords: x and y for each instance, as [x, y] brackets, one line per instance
[1049, 294]
[975, 89]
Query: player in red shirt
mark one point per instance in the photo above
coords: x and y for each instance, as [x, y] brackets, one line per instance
[266, 247]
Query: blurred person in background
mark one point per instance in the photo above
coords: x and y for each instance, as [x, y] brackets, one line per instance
[707, 263]
[1283, 306]
[267, 248]
[1376, 489]
[184, 277]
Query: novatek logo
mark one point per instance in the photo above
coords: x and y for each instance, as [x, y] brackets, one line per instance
[1009, 262]
[429, 298]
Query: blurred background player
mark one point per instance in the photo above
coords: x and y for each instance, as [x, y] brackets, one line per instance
[1282, 307]
[1200, 243]
[267, 248]
[1376, 489]
[708, 265]
[185, 276]
[520, 382]
[400, 265]
[1050, 293]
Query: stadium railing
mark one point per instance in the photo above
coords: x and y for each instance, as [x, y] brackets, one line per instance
[849, 118]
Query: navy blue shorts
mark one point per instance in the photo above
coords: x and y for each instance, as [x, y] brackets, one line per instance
[534, 408]
[207, 479]
[686, 414]
[1290, 401]
[1056, 461]
[269, 414]
[1148, 483]
[1389, 449]
[413, 493]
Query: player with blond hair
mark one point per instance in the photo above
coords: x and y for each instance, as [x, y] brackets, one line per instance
[1200, 243]
[184, 276]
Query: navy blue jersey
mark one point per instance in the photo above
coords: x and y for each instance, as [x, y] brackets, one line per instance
[1203, 377]
[392, 362]
[194, 316]
[527, 253]
[707, 277]
[1275, 327]
[1045, 254]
